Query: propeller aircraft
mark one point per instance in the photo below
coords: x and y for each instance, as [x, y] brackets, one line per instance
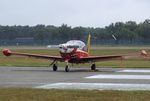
[75, 52]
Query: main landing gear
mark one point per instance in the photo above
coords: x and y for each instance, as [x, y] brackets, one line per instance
[93, 67]
[54, 67]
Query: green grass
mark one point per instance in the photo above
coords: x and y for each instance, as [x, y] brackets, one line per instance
[26, 61]
[23, 94]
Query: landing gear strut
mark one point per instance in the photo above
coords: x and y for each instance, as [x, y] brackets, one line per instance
[93, 67]
[54, 67]
[67, 68]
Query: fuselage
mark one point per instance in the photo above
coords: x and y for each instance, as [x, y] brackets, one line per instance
[73, 50]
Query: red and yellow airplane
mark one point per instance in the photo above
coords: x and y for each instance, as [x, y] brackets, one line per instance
[75, 52]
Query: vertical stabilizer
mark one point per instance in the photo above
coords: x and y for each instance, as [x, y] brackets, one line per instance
[89, 43]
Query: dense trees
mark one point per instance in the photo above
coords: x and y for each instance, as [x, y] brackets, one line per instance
[126, 33]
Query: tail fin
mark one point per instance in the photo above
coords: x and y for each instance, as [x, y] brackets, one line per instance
[89, 43]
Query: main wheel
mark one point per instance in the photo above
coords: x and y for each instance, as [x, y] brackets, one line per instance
[93, 67]
[67, 68]
[54, 67]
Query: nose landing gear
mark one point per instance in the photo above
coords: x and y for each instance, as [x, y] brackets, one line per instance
[67, 68]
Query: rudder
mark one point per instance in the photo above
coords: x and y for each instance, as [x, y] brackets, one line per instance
[89, 43]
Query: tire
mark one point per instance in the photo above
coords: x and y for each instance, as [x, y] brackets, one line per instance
[93, 67]
[54, 67]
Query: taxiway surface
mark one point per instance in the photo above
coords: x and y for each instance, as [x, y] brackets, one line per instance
[77, 78]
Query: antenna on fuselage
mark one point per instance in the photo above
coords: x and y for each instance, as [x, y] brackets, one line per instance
[89, 43]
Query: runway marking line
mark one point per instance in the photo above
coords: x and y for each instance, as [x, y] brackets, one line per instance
[134, 71]
[116, 76]
[95, 86]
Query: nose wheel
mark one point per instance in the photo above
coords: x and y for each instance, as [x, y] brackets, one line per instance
[55, 67]
[93, 67]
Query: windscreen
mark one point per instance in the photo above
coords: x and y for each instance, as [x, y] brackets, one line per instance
[77, 43]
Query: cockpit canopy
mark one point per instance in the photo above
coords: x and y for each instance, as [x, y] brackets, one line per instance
[69, 46]
[79, 44]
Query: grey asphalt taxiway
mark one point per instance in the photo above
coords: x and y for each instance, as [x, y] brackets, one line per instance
[77, 78]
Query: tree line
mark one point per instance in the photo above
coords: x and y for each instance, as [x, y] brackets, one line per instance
[125, 32]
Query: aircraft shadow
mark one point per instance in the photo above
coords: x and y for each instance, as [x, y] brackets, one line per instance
[71, 70]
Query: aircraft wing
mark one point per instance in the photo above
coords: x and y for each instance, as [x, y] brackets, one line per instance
[7, 52]
[142, 53]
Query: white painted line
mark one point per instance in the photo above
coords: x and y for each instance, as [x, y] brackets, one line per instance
[96, 86]
[111, 76]
[134, 71]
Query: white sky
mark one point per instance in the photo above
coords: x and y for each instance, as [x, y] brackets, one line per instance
[86, 13]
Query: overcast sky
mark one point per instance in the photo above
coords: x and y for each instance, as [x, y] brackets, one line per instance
[86, 13]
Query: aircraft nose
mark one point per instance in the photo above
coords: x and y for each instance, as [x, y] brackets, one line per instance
[65, 49]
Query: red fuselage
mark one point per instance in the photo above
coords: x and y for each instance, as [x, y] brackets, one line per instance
[74, 56]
